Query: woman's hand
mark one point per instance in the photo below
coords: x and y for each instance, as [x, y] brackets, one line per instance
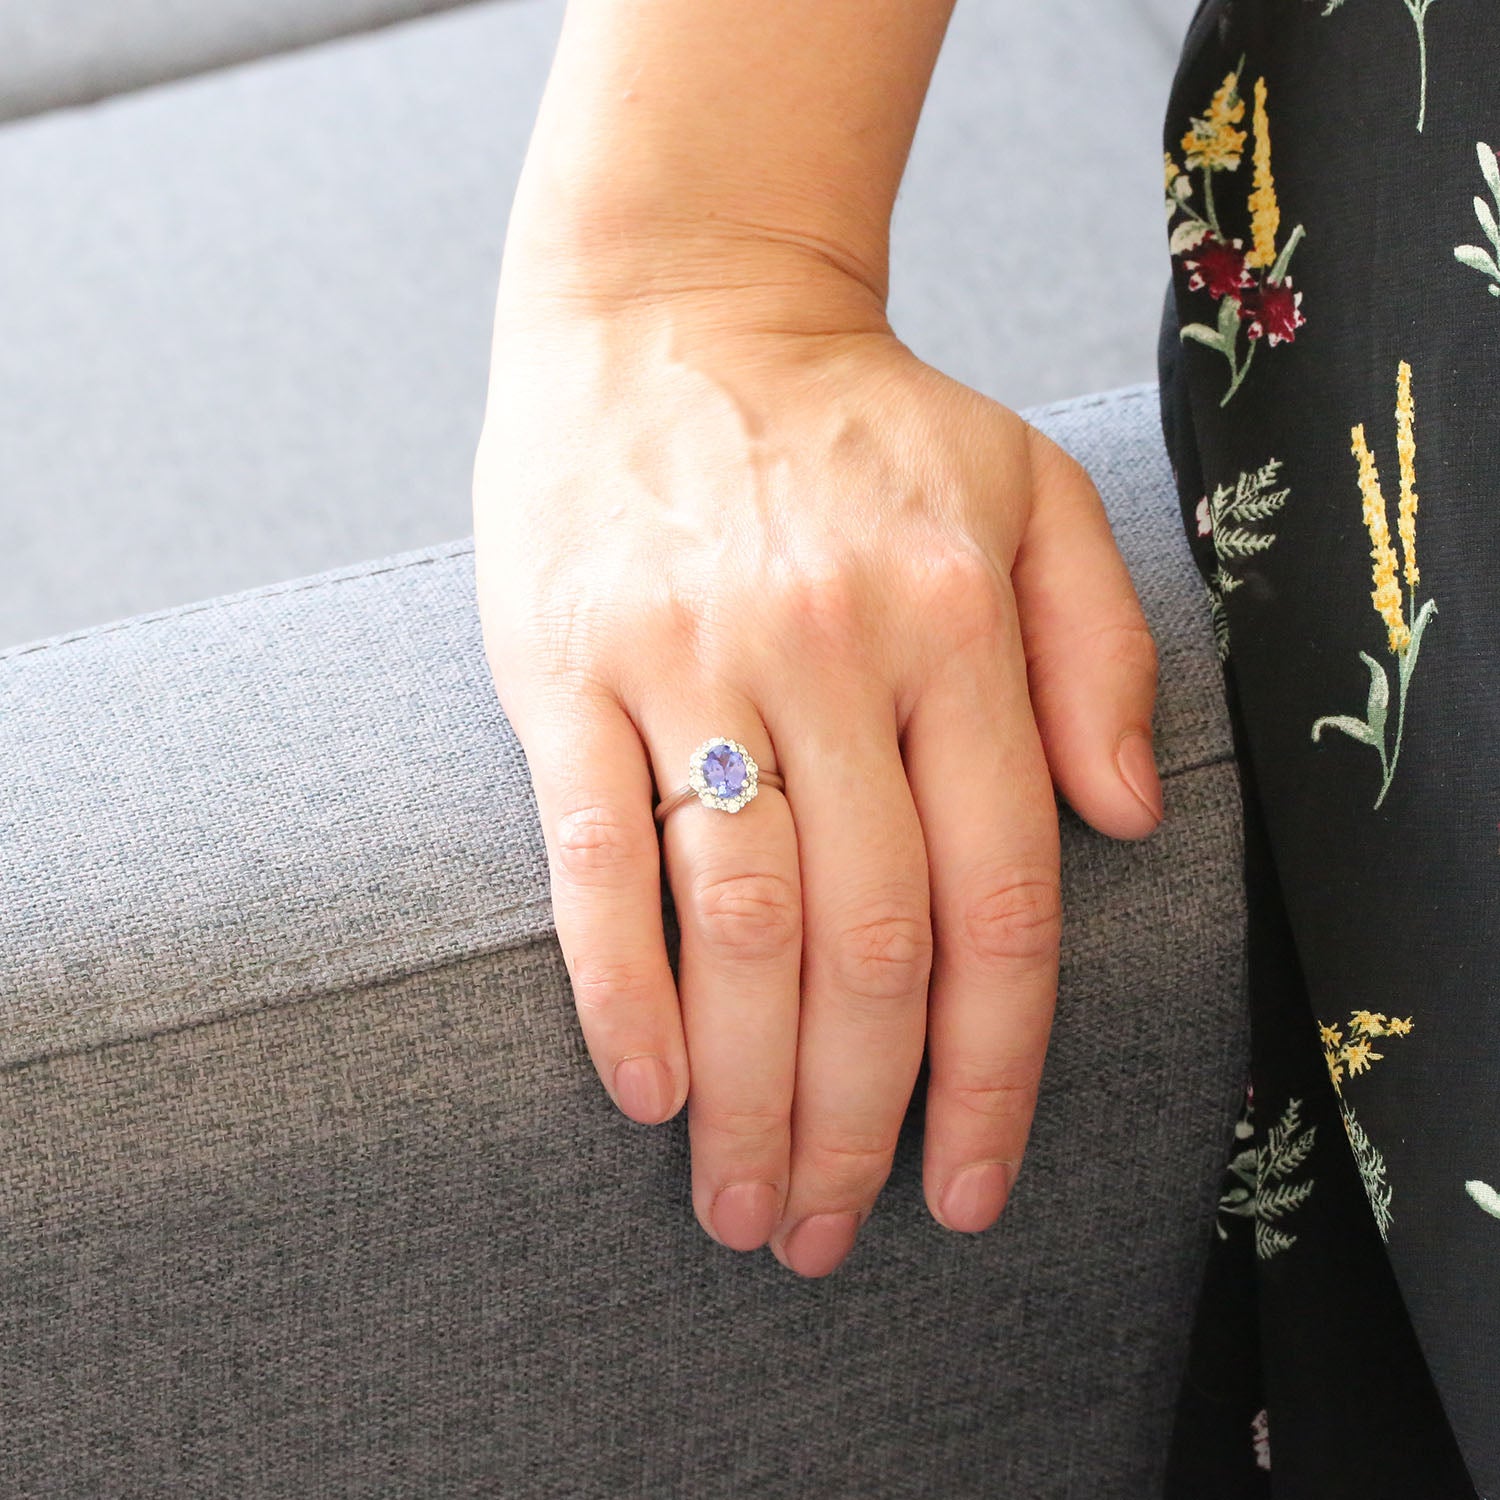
[696, 516]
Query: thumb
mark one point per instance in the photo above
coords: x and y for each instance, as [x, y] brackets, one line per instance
[1090, 658]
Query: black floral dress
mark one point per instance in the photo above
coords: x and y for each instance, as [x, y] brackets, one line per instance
[1330, 386]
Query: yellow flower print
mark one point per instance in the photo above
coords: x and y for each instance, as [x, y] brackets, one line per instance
[1335, 1069]
[1265, 213]
[1211, 141]
[1386, 595]
[1406, 452]
[1404, 639]
[1357, 1053]
[1257, 302]
[1360, 1056]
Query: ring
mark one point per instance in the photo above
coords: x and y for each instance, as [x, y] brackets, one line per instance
[721, 774]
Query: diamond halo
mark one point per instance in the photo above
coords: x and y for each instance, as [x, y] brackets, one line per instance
[706, 771]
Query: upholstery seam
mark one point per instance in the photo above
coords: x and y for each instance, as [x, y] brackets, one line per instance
[230, 601]
[1106, 398]
[1201, 765]
[326, 990]
[110, 1044]
[222, 982]
[296, 961]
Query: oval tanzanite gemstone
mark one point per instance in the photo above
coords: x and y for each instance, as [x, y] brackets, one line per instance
[724, 771]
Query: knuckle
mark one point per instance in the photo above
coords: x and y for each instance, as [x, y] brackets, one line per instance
[750, 1126]
[1004, 1094]
[955, 574]
[858, 1161]
[681, 618]
[596, 845]
[1126, 644]
[1017, 917]
[962, 598]
[600, 986]
[885, 957]
[819, 608]
[754, 915]
[1129, 643]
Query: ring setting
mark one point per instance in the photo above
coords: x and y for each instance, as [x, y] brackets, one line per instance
[722, 774]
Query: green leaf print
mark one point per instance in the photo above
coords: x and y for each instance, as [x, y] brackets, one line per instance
[1258, 1185]
[1227, 516]
[1486, 262]
[1371, 1166]
[1485, 1196]
[1417, 10]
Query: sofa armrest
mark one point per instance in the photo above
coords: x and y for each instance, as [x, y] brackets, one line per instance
[77, 51]
[308, 1183]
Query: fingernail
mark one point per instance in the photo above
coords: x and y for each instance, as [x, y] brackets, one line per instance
[744, 1214]
[643, 1089]
[820, 1242]
[976, 1195]
[1137, 766]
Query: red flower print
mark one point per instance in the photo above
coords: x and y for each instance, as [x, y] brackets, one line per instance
[1272, 310]
[1218, 266]
[1246, 278]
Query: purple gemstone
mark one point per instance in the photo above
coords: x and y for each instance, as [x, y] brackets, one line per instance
[724, 771]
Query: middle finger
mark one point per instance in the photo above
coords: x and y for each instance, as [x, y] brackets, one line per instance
[867, 951]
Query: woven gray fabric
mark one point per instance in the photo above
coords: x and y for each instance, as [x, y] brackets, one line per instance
[246, 321]
[73, 51]
[309, 1188]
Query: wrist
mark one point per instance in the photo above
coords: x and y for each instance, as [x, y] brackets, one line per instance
[604, 256]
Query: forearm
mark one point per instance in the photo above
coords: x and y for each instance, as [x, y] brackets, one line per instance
[683, 141]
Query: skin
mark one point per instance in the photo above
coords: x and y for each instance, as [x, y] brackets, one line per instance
[715, 493]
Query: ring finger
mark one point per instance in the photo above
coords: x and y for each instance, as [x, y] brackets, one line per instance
[735, 885]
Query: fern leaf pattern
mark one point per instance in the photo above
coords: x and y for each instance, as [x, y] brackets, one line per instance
[1349, 1051]
[1258, 1181]
[1371, 1166]
[1227, 517]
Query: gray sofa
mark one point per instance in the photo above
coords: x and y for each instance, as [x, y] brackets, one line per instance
[307, 1187]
